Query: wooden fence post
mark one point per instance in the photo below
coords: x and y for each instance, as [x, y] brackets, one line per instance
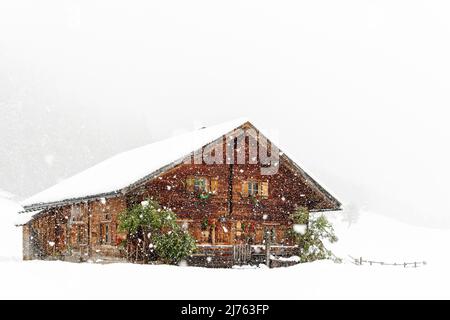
[268, 248]
[360, 261]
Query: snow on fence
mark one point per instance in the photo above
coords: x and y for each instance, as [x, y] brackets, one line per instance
[360, 261]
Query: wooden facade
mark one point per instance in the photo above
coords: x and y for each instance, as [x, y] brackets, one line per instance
[222, 205]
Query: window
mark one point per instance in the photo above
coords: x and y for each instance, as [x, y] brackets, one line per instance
[254, 188]
[200, 184]
[105, 236]
[197, 184]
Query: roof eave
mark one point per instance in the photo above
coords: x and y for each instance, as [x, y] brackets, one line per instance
[42, 206]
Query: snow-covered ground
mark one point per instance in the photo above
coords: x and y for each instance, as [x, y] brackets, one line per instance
[321, 280]
[379, 238]
[10, 236]
[371, 236]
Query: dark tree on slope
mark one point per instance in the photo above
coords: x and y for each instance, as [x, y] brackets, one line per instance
[311, 234]
[157, 231]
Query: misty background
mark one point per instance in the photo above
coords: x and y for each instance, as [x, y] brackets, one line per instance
[357, 91]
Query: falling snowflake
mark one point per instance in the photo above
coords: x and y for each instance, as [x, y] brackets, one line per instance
[283, 199]
[209, 259]
[51, 243]
[145, 204]
[169, 188]
[265, 217]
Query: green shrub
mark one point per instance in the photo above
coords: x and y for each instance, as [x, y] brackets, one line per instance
[311, 242]
[157, 227]
[174, 246]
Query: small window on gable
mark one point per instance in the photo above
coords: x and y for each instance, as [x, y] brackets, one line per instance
[253, 188]
[197, 184]
[200, 184]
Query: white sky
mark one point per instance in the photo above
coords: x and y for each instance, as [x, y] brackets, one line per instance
[358, 90]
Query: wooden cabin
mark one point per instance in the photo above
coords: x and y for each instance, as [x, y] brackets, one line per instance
[224, 204]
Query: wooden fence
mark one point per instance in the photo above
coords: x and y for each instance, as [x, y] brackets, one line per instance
[242, 254]
[360, 261]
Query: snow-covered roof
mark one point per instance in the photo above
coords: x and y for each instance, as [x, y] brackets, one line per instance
[24, 217]
[129, 167]
[126, 169]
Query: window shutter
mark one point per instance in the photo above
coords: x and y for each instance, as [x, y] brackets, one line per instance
[264, 189]
[245, 189]
[214, 185]
[190, 184]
